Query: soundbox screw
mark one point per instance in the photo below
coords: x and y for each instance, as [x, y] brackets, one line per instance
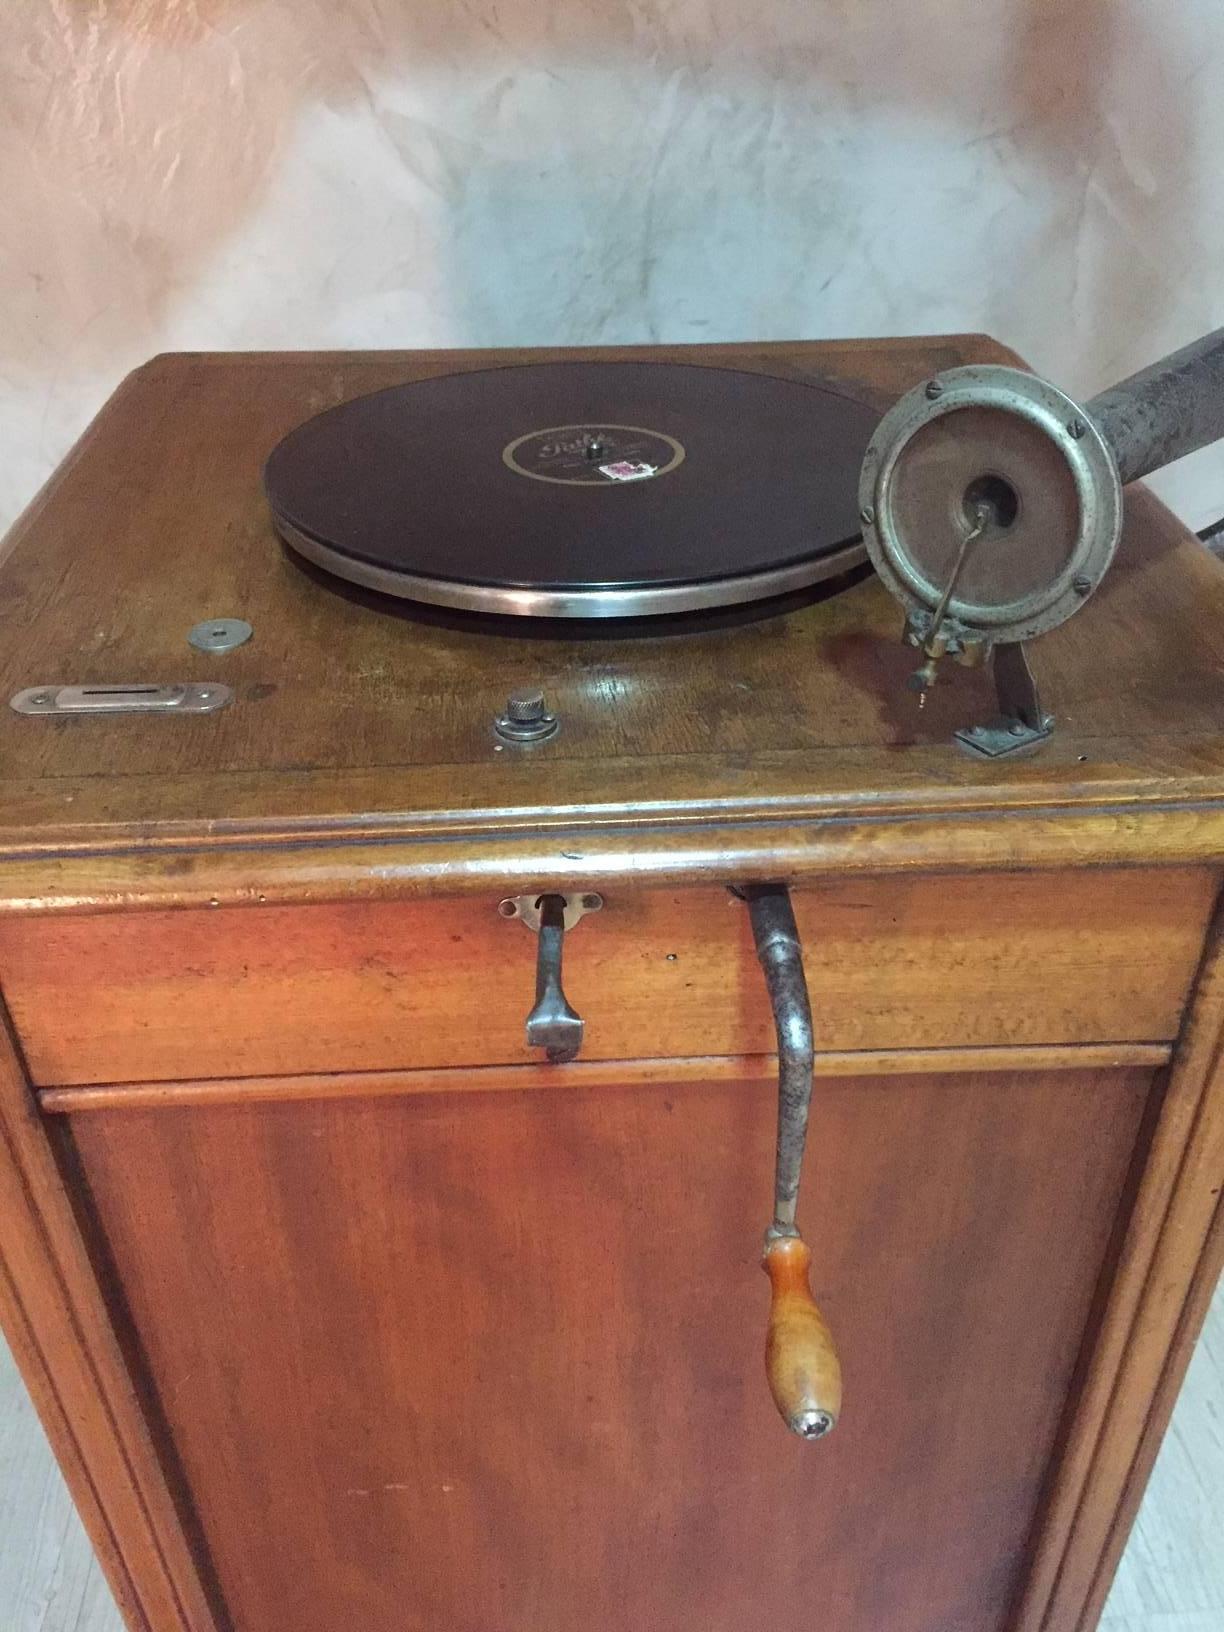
[934, 389]
[867, 515]
[1082, 585]
[1077, 428]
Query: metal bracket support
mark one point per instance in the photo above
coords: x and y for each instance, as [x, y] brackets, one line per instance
[1021, 722]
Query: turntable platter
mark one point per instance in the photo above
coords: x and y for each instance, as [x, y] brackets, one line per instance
[579, 489]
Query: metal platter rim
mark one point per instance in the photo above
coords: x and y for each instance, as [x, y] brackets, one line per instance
[641, 601]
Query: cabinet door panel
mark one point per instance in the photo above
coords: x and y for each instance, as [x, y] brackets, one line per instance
[454, 1363]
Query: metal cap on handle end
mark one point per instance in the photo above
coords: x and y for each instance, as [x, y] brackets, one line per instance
[800, 1358]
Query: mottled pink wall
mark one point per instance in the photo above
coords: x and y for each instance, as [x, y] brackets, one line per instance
[249, 173]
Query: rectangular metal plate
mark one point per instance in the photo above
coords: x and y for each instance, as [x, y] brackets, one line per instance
[1003, 736]
[128, 699]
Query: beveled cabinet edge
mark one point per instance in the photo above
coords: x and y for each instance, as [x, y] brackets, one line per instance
[1190, 1325]
[583, 1076]
[280, 869]
[54, 1315]
[1170, 1253]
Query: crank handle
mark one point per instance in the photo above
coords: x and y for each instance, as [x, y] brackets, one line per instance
[800, 1360]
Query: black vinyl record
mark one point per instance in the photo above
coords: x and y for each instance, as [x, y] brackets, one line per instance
[579, 488]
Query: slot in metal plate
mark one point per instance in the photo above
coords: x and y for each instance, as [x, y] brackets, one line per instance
[126, 699]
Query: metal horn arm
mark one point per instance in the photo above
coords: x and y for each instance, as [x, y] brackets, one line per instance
[1166, 411]
[800, 1358]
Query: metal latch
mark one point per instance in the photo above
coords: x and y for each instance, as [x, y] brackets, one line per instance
[129, 699]
[552, 1024]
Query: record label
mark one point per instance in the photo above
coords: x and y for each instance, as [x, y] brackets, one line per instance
[593, 455]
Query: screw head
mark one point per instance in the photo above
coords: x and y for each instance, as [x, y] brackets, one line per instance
[1082, 585]
[934, 389]
[867, 515]
[508, 908]
[1077, 428]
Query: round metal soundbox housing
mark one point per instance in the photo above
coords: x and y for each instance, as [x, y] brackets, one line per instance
[994, 430]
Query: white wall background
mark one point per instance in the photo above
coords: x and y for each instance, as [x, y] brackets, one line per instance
[301, 173]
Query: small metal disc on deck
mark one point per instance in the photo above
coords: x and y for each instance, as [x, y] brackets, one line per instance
[579, 490]
[220, 634]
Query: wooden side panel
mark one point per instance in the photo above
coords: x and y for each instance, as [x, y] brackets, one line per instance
[54, 1316]
[481, 1361]
[893, 963]
[1168, 1263]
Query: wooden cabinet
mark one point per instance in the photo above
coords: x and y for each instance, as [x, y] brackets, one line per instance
[481, 1357]
[342, 1307]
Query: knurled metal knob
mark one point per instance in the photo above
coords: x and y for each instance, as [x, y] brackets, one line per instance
[525, 705]
[526, 718]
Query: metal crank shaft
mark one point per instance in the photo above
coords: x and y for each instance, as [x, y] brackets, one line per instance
[800, 1358]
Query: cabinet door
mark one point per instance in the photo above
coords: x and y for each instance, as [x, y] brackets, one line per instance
[492, 1362]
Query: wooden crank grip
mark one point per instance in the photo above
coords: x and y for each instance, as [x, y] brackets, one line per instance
[800, 1359]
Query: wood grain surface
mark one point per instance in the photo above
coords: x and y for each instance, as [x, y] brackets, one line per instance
[1171, 1578]
[356, 718]
[1105, 956]
[472, 1362]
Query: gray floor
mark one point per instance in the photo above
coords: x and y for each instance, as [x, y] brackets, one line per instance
[1171, 1580]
